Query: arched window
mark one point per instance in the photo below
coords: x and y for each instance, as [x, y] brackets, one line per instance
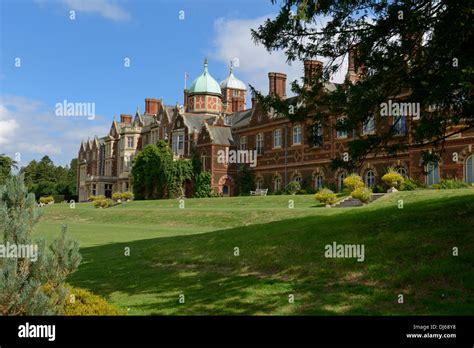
[340, 180]
[259, 184]
[432, 173]
[402, 171]
[298, 179]
[469, 169]
[318, 181]
[370, 178]
[277, 184]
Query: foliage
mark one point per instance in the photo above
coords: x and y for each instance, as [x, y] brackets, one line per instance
[83, 302]
[6, 166]
[116, 196]
[127, 195]
[363, 194]
[44, 178]
[22, 279]
[203, 187]
[96, 198]
[353, 182]
[449, 184]
[293, 187]
[379, 189]
[326, 196]
[410, 184]
[153, 172]
[392, 178]
[103, 203]
[245, 181]
[182, 173]
[46, 200]
[399, 46]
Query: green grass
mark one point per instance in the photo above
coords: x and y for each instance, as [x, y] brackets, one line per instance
[191, 251]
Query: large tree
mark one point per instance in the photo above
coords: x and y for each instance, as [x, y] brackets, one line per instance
[419, 49]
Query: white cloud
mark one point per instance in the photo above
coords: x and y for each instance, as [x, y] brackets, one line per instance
[233, 40]
[32, 129]
[105, 8]
[8, 126]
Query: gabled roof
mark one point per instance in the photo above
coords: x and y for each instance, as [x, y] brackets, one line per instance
[195, 121]
[220, 135]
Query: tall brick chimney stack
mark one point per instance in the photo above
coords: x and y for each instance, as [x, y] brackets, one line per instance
[354, 74]
[126, 119]
[254, 101]
[277, 84]
[152, 106]
[312, 70]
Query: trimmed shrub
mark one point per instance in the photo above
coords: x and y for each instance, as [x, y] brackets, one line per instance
[449, 184]
[127, 195]
[83, 302]
[353, 182]
[103, 203]
[326, 196]
[363, 194]
[117, 196]
[392, 178]
[293, 187]
[46, 200]
[96, 198]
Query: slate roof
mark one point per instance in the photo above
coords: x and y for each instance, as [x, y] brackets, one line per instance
[241, 118]
[221, 135]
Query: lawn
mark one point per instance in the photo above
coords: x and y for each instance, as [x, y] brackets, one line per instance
[191, 251]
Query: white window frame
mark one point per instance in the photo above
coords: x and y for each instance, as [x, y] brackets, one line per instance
[297, 135]
[259, 143]
[243, 142]
[277, 138]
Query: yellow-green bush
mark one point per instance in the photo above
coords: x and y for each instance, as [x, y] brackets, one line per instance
[46, 200]
[127, 195]
[392, 179]
[363, 194]
[326, 196]
[116, 196]
[96, 198]
[83, 302]
[353, 182]
[103, 203]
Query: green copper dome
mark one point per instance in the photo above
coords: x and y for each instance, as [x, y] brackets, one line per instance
[205, 83]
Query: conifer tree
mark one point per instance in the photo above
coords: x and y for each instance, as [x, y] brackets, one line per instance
[31, 286]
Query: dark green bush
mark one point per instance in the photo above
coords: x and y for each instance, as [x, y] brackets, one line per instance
[449, 184]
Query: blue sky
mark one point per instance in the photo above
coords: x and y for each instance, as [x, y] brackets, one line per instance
[82, 60]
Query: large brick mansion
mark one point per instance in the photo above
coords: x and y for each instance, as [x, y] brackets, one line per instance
[214, 116]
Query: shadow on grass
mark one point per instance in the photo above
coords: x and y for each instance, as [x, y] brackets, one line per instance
[408, 251]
